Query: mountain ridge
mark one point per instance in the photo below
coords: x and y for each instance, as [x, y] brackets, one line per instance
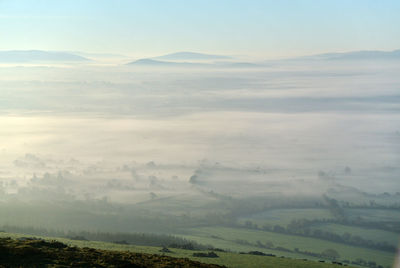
[34, 56]
[188, 55]
[356, 55]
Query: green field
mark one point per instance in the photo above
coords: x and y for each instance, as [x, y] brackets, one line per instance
[224, 237]
[285, 216]
[225, 258]
[246, 237]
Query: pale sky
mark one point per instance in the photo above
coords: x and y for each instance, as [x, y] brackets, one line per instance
[266, 29]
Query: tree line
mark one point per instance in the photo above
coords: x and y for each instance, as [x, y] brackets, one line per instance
[301, 227]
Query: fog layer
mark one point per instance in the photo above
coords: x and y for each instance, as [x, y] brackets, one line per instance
[130, 134]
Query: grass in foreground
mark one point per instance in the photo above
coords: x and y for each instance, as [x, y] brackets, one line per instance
[33, 252]
[153, 254]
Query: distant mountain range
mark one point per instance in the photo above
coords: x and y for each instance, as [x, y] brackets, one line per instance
[193, 59]
[157, 63]
[191, 56]
[182, 59]
[38, 56]
[153, 62]
[357, 55]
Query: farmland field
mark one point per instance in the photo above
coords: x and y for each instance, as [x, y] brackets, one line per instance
[228, 236]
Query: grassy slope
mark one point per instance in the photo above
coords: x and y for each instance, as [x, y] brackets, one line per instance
[226, 258]
[228, 235]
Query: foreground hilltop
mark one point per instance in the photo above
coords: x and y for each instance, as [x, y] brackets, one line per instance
[16, 250]
[32, 252]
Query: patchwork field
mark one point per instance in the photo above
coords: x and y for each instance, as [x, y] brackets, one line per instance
[246, 240]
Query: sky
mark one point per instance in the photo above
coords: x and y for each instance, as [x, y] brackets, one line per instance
[269, 29]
